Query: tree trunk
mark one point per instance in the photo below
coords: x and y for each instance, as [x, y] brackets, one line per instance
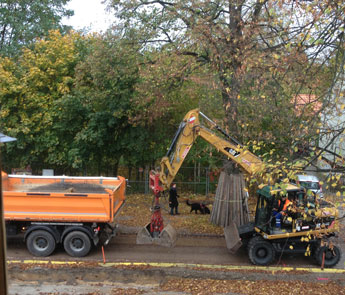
[230, 73]
[129, 172]
[115, 168]
[137, 173]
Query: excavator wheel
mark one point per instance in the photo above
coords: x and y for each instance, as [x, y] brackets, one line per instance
[260, 252]
[167, 237]
[326, 256]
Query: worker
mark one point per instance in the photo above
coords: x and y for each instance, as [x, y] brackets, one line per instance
[280, 209]
[173, 202]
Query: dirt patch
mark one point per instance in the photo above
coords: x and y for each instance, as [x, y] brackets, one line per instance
[133, 279]
[264, 287]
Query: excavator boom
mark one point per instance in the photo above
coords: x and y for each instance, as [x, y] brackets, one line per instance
[189, 130]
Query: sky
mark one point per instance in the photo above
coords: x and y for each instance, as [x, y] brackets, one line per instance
[89, 14]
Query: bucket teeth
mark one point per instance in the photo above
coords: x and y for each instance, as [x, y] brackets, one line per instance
[166, 238]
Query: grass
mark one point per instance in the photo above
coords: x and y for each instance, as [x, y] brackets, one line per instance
[136, 213]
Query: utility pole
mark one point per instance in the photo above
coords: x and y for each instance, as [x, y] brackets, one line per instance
[3, 268]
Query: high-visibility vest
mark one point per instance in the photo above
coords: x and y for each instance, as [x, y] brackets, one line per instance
[286, 205]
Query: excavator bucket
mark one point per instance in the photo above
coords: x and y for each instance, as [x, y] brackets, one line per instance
[166, 238]
[232, 238]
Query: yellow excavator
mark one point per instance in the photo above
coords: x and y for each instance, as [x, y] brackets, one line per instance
[308, 225]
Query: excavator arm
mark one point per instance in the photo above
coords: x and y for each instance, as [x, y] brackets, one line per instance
[189, 130]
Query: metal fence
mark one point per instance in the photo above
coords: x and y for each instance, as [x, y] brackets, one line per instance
[194, 180]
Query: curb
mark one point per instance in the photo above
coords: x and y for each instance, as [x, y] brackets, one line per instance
[271, 269]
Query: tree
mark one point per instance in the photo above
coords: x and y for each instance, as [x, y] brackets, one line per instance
[32, 91]
[263, 54]
[22, 22]
[106, 81]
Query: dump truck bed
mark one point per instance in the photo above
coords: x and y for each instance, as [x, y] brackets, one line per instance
[62, 198]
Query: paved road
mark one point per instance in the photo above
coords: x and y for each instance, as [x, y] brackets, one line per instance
[198, 250]
[145, 268]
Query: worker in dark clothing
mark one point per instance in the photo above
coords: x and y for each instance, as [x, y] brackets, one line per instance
[173, 202]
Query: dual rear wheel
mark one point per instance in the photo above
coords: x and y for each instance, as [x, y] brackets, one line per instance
[77, 244]
[42, 243]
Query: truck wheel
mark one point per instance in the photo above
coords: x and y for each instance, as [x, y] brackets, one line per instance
[40, 243]
[332, 257]
[260, 252]
[77, 244]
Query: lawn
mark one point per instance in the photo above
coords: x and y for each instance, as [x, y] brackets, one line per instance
[136, 213]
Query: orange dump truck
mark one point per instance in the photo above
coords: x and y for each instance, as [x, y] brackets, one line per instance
[77, 212]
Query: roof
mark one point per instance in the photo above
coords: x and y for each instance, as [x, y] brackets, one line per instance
[311, 178]
[307, 101]
[270, 191]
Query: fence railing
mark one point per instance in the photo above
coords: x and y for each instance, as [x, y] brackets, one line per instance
[203, 188]
[187, 181]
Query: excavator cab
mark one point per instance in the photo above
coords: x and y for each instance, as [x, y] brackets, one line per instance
[305, 212]
[264, 221]
[267, 196]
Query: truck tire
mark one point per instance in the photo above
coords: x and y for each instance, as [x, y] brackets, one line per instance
[260, 252]
[77, 244]
[332, 257]
[40, 243]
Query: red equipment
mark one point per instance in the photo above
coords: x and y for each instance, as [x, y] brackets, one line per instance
[157, 224]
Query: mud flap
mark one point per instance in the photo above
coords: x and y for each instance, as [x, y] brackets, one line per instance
[166, 238]
[232, 238]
